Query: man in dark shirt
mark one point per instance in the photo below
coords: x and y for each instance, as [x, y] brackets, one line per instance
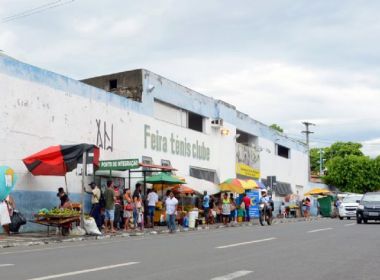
[109, 198]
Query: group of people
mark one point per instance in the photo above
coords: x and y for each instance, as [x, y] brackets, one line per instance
[224, 208]
[115, 210]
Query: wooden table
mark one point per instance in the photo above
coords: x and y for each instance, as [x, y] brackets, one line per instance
[61, 222]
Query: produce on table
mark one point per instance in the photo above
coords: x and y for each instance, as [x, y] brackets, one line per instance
[57, 212]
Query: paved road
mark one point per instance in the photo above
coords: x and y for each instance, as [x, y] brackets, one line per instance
[325, 249]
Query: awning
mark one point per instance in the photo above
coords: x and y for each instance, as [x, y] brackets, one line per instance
[200, 185]
[161, 167]
[280, 188]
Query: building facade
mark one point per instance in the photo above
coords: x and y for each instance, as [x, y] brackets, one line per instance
[135, 114]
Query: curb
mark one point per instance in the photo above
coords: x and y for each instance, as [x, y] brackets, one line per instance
[45, 241]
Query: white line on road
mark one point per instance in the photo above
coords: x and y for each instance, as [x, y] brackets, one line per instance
[321, 229]
[245, 243]
[234, 275]
[6, 264]
[347, 225]
[83, 271]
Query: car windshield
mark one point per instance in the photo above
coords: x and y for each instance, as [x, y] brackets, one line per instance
[372, 197]
[352, 199]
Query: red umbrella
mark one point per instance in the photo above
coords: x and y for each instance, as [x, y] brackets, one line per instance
[58, 160]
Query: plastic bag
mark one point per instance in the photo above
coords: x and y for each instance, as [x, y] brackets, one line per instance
[17, 220]
[91, 227]
[77, 231]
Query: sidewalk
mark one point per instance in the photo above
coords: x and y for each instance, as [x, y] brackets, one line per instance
[41, 238]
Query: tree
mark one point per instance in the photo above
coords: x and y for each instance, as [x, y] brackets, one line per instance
[343, 149]
[314, 160]
[353, 173]
[276, 127]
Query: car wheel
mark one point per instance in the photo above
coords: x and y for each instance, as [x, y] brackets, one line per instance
[340, 218]
[359, 219]
[365, 221]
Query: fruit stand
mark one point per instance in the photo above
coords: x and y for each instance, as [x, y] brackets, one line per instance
[60, 218]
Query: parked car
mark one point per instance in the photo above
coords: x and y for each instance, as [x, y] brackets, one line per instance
[369, 208]
[347, 208]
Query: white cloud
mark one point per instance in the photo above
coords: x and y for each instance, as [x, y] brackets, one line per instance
[279, 61]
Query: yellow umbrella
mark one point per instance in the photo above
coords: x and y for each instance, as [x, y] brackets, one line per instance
[317, 191]
[232, 185]
[250, 184]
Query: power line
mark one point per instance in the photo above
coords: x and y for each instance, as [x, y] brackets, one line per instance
[36, 10]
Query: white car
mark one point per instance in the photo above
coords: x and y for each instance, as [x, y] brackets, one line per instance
[347, 208]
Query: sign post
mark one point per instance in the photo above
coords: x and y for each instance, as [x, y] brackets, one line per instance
[84, 165]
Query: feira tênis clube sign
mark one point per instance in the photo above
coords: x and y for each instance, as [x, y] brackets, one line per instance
[175, 145]
[120, 164]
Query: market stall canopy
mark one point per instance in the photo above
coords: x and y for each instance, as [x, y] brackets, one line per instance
[7, 181]
[252, 184]
[232, 185]
[163, 178]
[160, 167]
[58, 160]
[183, 190]
[200, 185]
[317, 191]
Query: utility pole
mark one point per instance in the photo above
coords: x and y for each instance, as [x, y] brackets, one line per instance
[321, 161]
[308, 132]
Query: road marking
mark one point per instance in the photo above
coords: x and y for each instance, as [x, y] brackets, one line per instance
[347, 225]
[83, 271]
[321, 229]
[6, 264]
[234, 275]
[245, 243]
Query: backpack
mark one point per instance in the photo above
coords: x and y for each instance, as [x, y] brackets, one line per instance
[102, 201]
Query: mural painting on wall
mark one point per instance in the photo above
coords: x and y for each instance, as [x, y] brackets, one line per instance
[247, 161]
[104, 136]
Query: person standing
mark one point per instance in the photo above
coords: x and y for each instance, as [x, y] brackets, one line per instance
[5, 217]
[128, 208]
[63, 197]
[118, 208]
[306, 208]
[206, 205]
[226, 208]
[109, 198]
[171, 211]
[95, 205]
[233, 216]
[247, 204]
[137, 204]
[152, 201]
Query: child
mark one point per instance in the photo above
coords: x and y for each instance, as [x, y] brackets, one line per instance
[185, 222]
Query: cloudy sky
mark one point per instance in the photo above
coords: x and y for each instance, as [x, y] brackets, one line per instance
[280, 61]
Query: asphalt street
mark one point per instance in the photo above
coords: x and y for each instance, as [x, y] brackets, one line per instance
[324, 249]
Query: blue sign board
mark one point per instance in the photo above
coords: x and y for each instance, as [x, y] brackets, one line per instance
[255, 201]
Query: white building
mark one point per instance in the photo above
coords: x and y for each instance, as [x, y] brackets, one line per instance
[147, 117]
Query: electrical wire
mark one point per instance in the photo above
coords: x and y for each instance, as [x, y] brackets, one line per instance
[37, 10]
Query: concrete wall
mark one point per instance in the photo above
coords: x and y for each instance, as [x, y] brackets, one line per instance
[41, 108]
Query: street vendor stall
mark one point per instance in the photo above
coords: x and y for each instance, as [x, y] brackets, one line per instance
[163, 179]
[61, 218]
[57, 161]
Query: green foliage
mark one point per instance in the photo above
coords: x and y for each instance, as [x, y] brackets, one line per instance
[343, 149]
[347, 167]
[315, 158]
[276, 127]
[353, 173]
